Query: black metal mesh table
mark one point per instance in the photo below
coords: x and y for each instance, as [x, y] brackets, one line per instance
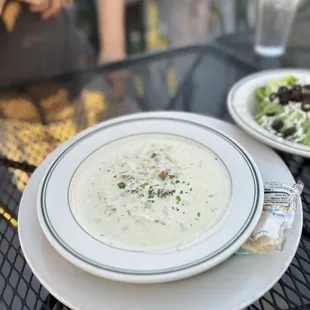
[36, 117]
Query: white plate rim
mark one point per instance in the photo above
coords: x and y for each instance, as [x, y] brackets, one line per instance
[254, 129]
[135, 277]
[23, 213]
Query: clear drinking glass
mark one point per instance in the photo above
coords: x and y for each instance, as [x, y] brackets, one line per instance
[275, 18]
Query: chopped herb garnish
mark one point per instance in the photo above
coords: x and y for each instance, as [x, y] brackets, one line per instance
[177, 181]
[161, 222]
[198, 214]
[164, 194]
[178, 199]
[121, 185]
[151, 193]
[144, 185]
[181, 192]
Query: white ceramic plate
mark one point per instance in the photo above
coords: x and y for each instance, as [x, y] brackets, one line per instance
[210, 248]
[241, 279]
[241, 102]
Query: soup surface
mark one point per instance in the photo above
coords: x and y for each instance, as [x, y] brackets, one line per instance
[150, 192]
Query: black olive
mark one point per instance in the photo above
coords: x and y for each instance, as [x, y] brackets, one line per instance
[305, 106]
[285, 97]
[296, 97]
[282, 89]
[296, 93]
[306, 96]
[277, 124]
[296, 88]
[289, 132]
[273, 96]
[305, 89]
[306, 93]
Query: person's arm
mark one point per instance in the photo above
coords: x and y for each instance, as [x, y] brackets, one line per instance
[2, 3]
[111, 29]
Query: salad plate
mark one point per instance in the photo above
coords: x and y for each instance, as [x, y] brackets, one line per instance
[273, 106]
[149, 199]
[242, 279]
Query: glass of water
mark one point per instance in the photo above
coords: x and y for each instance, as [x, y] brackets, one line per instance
[274, 22]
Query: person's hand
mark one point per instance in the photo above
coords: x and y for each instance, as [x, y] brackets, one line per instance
[117, 79]
[108, 54]
[47, 8]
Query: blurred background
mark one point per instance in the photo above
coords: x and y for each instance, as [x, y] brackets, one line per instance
[146, 29]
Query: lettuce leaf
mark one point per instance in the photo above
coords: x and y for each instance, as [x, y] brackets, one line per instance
[306, 139]
[289, 80]
[261, 92]
[306, 125]
[266, 107]
[306, 128]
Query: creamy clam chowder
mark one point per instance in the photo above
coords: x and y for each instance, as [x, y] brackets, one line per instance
[151, 191]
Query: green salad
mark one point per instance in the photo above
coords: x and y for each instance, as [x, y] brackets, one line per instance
[283, 108]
